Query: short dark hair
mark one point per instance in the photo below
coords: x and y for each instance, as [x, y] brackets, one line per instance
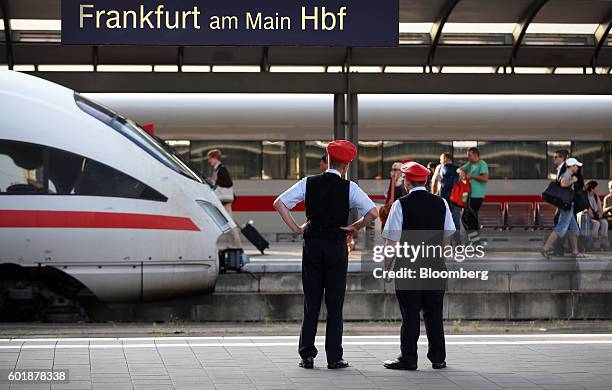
[590, 185]
[447, 155]
[474, 150]
[337, 164]
[417, 183]
[324, 158]
[564, 153]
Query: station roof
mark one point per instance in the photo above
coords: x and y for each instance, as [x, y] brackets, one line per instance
[485, 40]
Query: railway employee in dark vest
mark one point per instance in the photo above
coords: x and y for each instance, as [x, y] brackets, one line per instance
[328, 198]
[416, 218]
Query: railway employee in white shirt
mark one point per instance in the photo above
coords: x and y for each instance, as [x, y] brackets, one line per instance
[415, 218]
[328, 198]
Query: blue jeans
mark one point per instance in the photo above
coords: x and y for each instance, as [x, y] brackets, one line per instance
[567, 222]
[456, 214]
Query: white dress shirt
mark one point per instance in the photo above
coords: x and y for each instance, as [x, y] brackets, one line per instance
[393, 227]
[559, 167]
[357, 198]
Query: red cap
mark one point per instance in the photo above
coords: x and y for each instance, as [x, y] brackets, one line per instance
[341, 150]
[414, 171]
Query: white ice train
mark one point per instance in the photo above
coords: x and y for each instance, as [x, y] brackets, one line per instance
[89, 199]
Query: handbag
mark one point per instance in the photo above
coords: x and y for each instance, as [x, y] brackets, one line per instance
[225, 194]
[460, 194]
[559, 196]
[581, 200]
[384, 210]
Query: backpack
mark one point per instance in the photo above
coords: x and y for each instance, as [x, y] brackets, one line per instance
[448, 179]
[460, 194]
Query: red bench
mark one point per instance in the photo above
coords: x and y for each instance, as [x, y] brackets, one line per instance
[546, 214]
[520, 215]
[491, 215]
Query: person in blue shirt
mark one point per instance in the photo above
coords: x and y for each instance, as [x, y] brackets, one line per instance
[444, 179]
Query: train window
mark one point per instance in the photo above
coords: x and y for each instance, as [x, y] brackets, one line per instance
[294, 159]
[421, 152]
[35, 169]
[136, 134]
[274, 164]
[313, 151]
[98, 179]
[515, 159]
[242, 158]
[370, 159]
[22, 168]
[596, 158]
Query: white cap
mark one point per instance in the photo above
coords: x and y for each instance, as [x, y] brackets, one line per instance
[570, 162]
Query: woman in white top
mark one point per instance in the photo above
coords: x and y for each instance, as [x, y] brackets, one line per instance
[596, 213]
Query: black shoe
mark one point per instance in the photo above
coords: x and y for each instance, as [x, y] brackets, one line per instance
[397, 364]
[307, 363]
[339, 364]
[437, 366]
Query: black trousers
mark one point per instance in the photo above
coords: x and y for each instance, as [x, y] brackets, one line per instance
[470, 215]
[411, 303]
[324, 267]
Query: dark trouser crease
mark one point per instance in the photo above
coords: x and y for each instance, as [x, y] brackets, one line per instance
[431, 303]
[324, 267]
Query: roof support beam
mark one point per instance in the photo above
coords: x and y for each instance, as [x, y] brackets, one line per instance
[521, 27]
[180, 58]
[264, 63]
[7, 33]
[331, 83]
[438, 26]
[601, 34]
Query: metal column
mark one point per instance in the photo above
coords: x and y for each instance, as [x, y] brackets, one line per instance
[352, 133]
[339, 116]
[8, 39]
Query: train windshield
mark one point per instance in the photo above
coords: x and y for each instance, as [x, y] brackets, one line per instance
[136, 134]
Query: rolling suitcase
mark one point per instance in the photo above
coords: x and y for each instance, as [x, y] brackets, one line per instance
[255, 237]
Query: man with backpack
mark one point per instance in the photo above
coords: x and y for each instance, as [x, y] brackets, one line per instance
[443, 181]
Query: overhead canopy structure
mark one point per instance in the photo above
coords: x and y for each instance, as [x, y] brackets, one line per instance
[499, 38]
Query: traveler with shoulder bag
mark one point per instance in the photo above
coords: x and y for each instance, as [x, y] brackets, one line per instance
[561, 194]
[224, 190]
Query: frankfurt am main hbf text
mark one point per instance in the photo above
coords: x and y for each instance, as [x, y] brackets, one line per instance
[160, 18]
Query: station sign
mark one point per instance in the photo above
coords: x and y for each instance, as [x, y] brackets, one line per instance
[231, 22]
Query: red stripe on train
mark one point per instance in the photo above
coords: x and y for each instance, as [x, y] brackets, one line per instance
[263, 203]
[92, 220]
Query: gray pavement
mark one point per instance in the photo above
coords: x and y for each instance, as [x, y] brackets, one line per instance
[476, 361]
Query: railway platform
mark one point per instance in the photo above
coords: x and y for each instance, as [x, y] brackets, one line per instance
[520, 285]
[543, 355]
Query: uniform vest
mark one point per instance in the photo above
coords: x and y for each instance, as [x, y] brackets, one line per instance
[327, 205]
[422, 210]
[423, 225]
